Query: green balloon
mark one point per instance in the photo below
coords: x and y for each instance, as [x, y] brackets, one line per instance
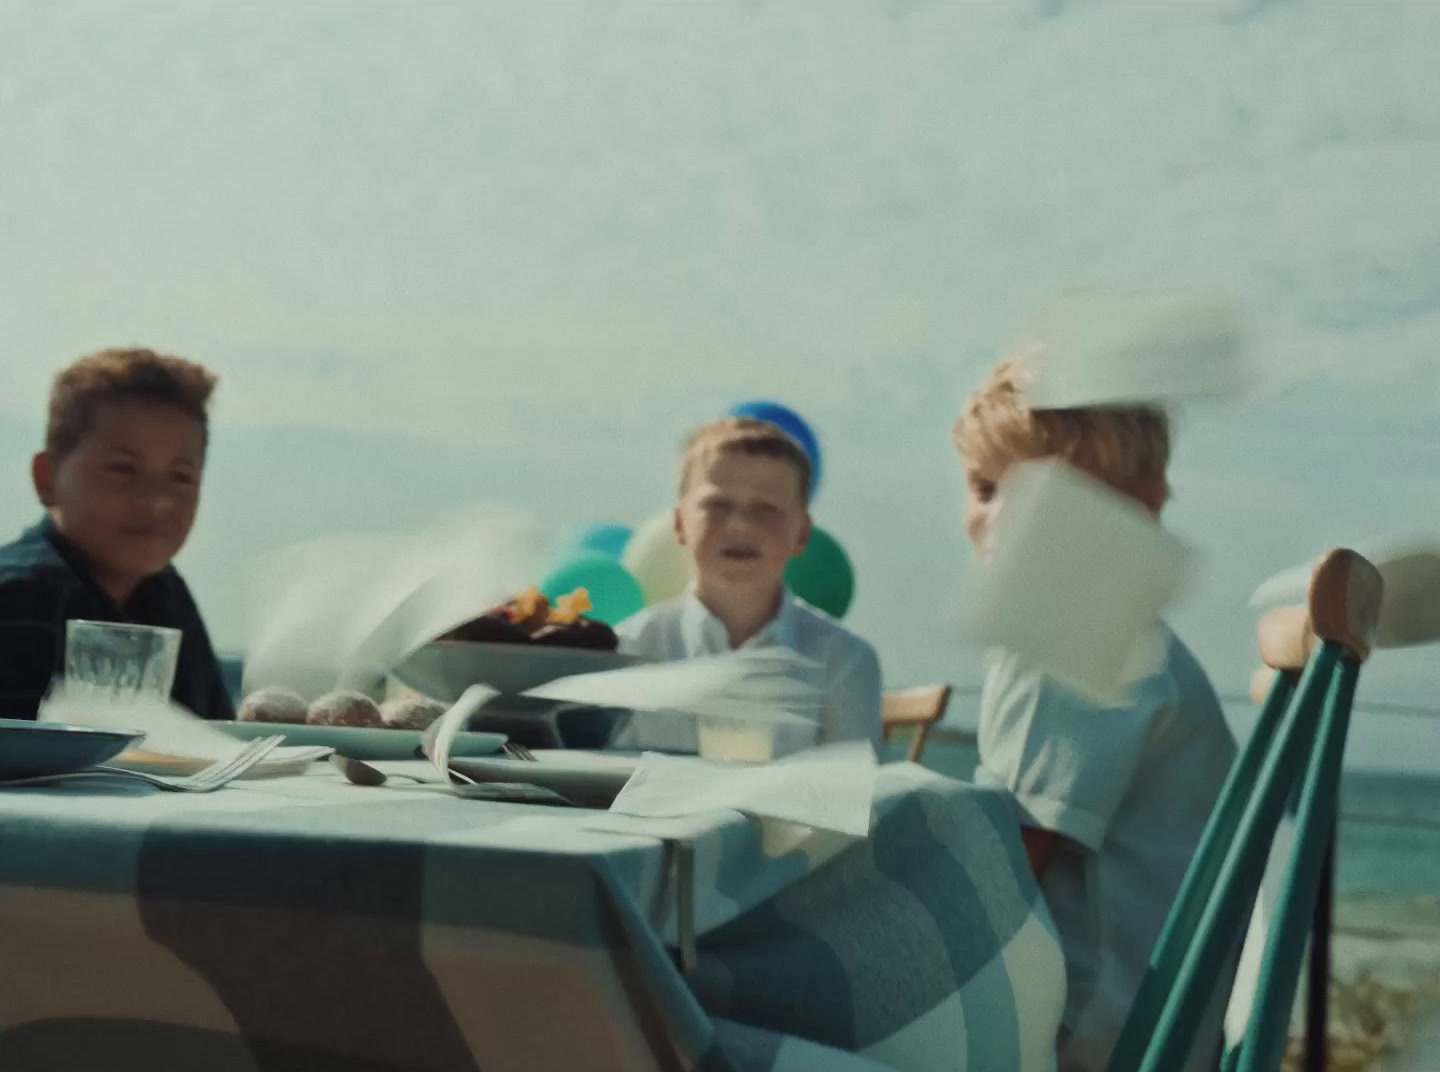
[822, 575]
[614, 592]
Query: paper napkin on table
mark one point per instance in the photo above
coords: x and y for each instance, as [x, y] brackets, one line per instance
[763, 686]
[830, 787]
[440, 736]
[755, 687]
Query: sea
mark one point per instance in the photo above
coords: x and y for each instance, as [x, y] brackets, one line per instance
[1386, 941]
[1388, 847]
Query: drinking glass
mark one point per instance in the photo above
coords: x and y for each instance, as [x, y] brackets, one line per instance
[120, 661]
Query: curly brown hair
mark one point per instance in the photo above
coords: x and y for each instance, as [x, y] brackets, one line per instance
[79, 390]
[743, 435]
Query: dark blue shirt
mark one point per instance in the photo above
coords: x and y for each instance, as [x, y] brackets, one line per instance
[44, 583]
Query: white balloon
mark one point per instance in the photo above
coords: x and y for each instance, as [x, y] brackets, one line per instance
[656, 559]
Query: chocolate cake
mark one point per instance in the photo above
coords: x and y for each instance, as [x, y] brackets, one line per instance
[489, 628]
[530, 618]
[581, 633]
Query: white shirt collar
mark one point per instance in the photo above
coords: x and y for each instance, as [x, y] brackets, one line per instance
[705, 634]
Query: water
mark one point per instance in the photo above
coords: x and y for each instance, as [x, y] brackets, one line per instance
[1389, 842]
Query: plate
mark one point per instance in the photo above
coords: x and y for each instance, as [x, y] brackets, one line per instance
[362, 742]
[34, 749]
[591, 780]
[284, 762]
[444, 669]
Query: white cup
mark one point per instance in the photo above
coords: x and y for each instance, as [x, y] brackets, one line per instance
[734, 739]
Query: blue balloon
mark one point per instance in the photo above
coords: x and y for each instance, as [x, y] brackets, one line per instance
[792, 424]
[615, 593]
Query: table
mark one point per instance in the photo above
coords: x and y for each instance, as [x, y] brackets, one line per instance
[304, 923]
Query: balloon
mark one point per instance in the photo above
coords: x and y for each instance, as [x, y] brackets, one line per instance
[822, 576]
[614, 592]
[656, 558]
[792, 424]
[601, 539]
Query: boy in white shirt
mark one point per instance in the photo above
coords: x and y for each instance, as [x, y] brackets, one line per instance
[1113, 800]
[742, 515]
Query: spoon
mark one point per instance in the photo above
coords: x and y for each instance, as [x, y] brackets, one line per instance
[358, 772]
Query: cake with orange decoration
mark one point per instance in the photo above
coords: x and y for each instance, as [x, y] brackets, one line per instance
[531, 618]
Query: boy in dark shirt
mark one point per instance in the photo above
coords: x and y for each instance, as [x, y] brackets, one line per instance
[120, 482]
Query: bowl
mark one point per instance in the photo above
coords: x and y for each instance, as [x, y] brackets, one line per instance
[444, 669]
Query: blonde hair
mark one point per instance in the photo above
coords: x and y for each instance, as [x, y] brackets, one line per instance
[80, 389]
[1126, 447]
[743, 435]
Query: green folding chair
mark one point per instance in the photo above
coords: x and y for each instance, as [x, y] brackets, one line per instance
[1292, 760]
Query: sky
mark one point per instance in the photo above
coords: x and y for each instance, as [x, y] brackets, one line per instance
[454, 253]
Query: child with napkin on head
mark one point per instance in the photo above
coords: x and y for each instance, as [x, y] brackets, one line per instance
[1113, 799]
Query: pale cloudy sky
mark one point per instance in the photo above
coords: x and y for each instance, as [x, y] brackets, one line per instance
[457, 252]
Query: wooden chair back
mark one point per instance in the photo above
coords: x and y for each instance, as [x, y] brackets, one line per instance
[917, 709]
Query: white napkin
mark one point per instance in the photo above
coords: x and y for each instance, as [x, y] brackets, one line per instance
[1410, 609]
[751, 686]
[439, 738]
[175, 740]
[830, 787]
[341, 612]
[756, 685]
[1105, 347]
[1076, 579]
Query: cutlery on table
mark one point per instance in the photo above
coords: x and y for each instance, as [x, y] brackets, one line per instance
[213, 777]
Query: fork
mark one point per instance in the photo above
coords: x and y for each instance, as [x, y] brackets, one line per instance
[208, 780]
[518, 751]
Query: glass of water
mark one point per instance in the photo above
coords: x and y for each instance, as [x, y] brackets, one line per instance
[120, 661]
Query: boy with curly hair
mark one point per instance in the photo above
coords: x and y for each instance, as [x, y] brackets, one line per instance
[119, 478]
